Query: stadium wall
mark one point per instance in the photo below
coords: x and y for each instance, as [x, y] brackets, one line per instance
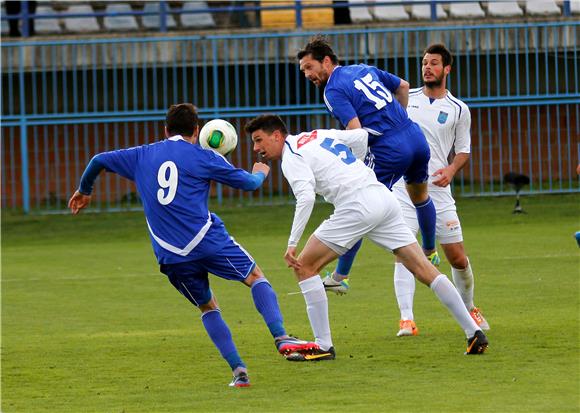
[75, 98]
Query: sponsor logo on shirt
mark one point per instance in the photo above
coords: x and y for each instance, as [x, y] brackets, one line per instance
[414, 106]
[305, 138]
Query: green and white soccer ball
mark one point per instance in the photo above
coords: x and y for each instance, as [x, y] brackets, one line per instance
[218, 135]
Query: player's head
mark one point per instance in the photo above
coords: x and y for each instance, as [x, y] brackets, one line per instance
[181, 119]
[317, 60]
[268, 134]
[436, 65]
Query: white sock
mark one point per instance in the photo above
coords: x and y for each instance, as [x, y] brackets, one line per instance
[463, 280]
[317, 309]
[448, 295]
[404, 290]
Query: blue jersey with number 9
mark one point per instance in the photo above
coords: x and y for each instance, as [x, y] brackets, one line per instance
[367, 93]
[173, 179]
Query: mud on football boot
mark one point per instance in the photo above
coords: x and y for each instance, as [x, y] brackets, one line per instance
[477, 344]
[289, 344]
[314, 355]
[337, 287]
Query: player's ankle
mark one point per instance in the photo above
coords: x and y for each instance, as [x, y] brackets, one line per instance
[338, 277]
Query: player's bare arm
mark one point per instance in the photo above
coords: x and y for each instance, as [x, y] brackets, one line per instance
[402, 93]
[354, 123]
[445, 175]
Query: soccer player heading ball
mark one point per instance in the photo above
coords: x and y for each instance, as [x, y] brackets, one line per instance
[322, 162]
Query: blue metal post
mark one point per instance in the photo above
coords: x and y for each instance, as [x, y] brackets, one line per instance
[25, 19]
[298, 14]
[433, 10]
[163, 16]
[566, 8]
[23, 138]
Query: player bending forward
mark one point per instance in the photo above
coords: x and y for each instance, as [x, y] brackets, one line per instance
[173, 179]
[321, 162]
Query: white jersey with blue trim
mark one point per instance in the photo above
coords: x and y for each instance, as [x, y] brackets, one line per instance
[173, 179]
[446, 123]
[327, 162]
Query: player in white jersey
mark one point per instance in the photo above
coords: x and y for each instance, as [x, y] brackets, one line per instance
[322, 162]
[446, 122]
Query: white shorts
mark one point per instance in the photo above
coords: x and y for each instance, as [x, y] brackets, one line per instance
[374, 213]
[448, 227]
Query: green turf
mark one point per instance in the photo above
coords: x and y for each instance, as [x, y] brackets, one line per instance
[89, 325]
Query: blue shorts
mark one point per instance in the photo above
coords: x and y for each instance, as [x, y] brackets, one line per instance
[402, 153]
[191, 278]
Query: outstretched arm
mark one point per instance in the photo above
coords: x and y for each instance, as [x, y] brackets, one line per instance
[220, 170]
[82, 197]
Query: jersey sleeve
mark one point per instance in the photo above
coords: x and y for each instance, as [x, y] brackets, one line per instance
[220, 170]
[339, 105]
[390, 81]
[89, 176]
[301, 180]
[355, 139]
[463, 132]
[123, 161]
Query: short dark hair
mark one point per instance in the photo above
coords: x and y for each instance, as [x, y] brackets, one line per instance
[440, 49]
[181, 119]
[268, 123]
[319, 48]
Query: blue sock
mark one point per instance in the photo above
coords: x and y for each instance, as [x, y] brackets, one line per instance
[345, 261]
[267, 304]
[427, 218]
[220, 334]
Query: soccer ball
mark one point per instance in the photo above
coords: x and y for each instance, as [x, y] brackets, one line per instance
[218, 135]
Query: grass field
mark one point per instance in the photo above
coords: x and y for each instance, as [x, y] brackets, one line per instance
[90, 325]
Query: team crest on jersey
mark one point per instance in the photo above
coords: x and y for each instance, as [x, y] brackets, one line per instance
[305, 138]
[442, 117]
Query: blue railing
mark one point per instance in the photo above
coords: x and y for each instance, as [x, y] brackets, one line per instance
[64, 101]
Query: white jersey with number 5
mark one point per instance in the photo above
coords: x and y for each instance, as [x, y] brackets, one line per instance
[328, 163]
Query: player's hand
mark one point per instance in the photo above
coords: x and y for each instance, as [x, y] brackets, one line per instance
[78, 201]
[290, 258]
[445, 176]
[261, 167]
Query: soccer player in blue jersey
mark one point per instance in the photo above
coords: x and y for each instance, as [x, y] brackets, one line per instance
[364, 96]
[173, 179]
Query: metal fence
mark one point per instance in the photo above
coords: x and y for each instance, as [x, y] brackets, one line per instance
[62, 102]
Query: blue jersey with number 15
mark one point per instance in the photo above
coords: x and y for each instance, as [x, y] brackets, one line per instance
[367, 93]
[173, 179]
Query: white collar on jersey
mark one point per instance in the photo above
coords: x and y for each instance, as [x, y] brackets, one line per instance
[176, 138]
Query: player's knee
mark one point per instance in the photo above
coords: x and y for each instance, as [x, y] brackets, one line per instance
[209, 306]
[305, 272]
[458, 261]
[254, 276]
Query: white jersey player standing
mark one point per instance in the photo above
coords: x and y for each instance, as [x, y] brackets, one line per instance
[446, 122]
[328, 162]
